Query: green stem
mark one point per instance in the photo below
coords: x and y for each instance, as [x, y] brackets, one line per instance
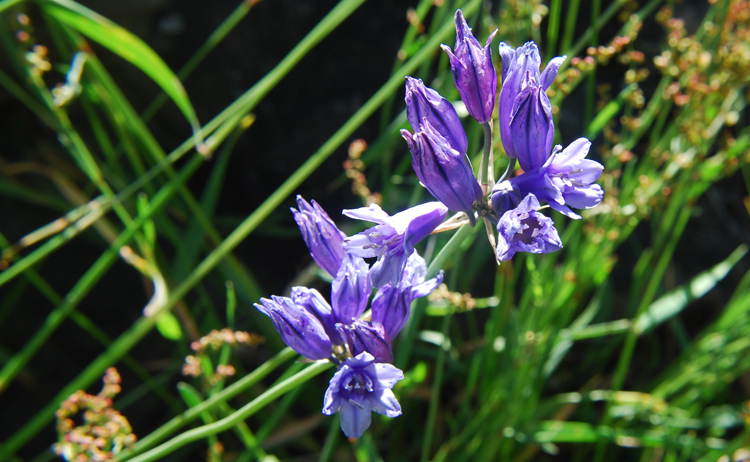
[230, 421]
[226, 394]
[435, 397]
[485, 165]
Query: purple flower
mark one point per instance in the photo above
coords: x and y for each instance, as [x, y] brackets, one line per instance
[321, 235]
[523, 229]
[516, 63]
[351, 289]
[473, 72]
[392, 240]
[565, 180]
[363, 336]
[359, 387]
[299, 328]
[392, 303]
[423, 103]
[531, 125]
[445, 172]
[312, 301]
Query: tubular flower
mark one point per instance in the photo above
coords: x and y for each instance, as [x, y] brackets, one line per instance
[359, 387]
[321, 235]
[351, 289]
[392, 303]
[524, 229]
[423, 103]
[392, 240]
[445, 172]
[531, 125]
[299, 328]
[366, 336]
[473, 71]
[565, 180]
[516, 63]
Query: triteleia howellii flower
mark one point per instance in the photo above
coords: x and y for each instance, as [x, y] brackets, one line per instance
[321, 235]
[565, 180]
[423, 103]
[524, 229]
[473, 71]
[392, 240]
[445, 172]
[362, 386]
[516, 64]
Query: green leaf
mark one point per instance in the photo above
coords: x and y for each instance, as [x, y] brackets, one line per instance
[169, 327]
[675, 301]
[129, 47]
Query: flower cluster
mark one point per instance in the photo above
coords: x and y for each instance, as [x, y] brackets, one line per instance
[562, 178]
[336, 331]
[360, 345]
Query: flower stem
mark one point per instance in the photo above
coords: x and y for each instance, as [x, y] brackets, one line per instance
[486, 167]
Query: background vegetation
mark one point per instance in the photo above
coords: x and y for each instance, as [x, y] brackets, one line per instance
[140, 215]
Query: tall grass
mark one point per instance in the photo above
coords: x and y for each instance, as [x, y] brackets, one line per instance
[546, 357]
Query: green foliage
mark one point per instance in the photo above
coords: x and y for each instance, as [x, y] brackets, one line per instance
[548, 356]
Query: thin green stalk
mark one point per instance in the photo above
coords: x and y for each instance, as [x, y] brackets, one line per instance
[214, 39]
[193, 413]
[596, 8]
[570, 24]
[118, 348]
[553, 27]
[230, 421]
[330, 443]
[435, 395]
[486, 165]
[433, 269]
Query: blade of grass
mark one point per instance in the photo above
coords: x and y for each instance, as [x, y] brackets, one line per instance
[129, 47]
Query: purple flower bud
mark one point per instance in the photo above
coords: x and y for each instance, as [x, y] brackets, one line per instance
[505, 196]
[299, 329]
[364, 336]
[315, 304]
[351, 290]
[359, 387]
[391, 305]
[531, 125]
[523, 229]
[516, 63]
[392, 240]
[565, 180]
[445, 172]
[321, 235]
[473, 72]
[423, 103]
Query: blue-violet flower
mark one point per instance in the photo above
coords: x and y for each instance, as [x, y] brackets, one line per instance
[366, 336]
[445, 172]
[299, 328]
[516, 63]
[351, 289]
[531, 125]
[423, 103]
[524, 229]
[321, 235]
[359, 387]
[392, 302]
[392, 240]
[565, 180]
[473, 71]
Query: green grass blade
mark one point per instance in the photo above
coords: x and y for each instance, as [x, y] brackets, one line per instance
[675, 301]
[126, 45]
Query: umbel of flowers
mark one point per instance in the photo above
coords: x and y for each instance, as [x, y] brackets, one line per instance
[338, 329]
